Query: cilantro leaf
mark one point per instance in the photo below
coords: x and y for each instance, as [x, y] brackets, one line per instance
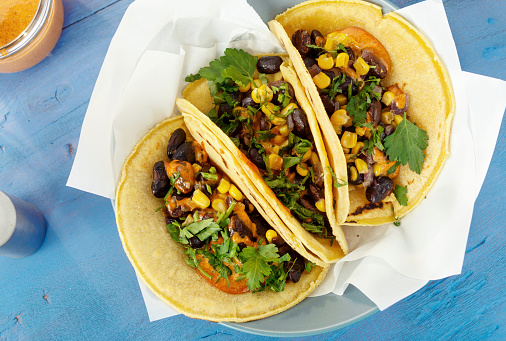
[406, 145]
[255, 267]
[337, 182]
[400, 195]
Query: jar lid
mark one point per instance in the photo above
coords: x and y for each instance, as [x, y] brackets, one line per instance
[30, 32]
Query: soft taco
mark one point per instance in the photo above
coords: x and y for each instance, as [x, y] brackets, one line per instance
[382, 97]
[197, 240]
[256, 112]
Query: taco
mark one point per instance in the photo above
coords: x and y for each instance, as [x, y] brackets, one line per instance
[257, 113]
[382, 97]
[196, 239]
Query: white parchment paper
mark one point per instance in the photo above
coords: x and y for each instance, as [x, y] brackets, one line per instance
[144, 72]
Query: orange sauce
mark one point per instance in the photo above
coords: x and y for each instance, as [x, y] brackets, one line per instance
[15, 16]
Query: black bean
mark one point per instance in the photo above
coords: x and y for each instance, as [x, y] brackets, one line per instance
[314, 70]
[161, 183]
[247, 101]
[195, 242]
[236, 96]
[300, 40]
[379, 189]
[316, 35]
[316, 193]
[236, 225]
[269, 64]
[176, 139]
[300, 124]
[236, 131]
[374, 112]
[256, 158]
[279, 84]
[379, 70]
[224, 108]
[307, 203]
[185, 152]
[389, 129]
[329, 104]
[309, 62]
[289, 122]
[344, 87]
[296, 266]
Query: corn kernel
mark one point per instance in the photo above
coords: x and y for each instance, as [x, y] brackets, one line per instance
[288, 108]
[274, 77]
[235, 193]
[353, 173]
[325, 61]
[275, 162]
[360, 131]
[224, 186]
[342, 60]
[348, 123]
[275, 149]
[321, 80]
[346, 150]
[283, 130]
[307, 155]
[387, 117]
[398, 119]
[270, 235]
[339, 37]
[196, 168]
[358, 147]
[284, 144]
[245, 88]
[376, 168]
[330, 44]
[269, 109]
[200, 199]
[349, 139]
[342, 99]
[278, 121]
[338, 118]
[314, 159]
[262, 94]
[302, 169]
[219, 205]
[241, 112]
[320, 205]
[361, 66]
[388, 97]
[279, 139]
[361, 166]
[256, 83]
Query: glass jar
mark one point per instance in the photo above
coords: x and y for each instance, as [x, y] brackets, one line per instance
[29, 30]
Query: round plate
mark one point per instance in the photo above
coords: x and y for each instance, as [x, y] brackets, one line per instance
[314, 315]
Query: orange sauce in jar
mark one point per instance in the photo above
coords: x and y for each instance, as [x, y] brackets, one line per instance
[15, 16]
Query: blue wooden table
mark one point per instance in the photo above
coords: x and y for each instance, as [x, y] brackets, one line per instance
[80, 285]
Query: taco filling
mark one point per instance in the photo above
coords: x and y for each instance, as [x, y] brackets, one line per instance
[370, 119]
[228, 242]
[259, 113]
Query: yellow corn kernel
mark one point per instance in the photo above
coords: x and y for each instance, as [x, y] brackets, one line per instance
[278, 121]
[284, 144]
[361, 66]
[387, 117]
[275, 149]
[321, 80]
[245, 88]
[270, 235]
[256, 83]
[196, 168]
[338, 119]
[342, 99]
[307, 155]
[262, 94]
[358, 147]
[361, 166]
[342, 60]
[353, 173]
[349, 139]
[269, 93]
[302, 169]
[200, 199]
[274, 77]
[283, 130]
[388, 97]
[398, 119]
[288, 108]
[346, 150]
[275, 162]
[348, 123]
[269, 108]
[339, 37]
[279, 139]
[241, 112]
[325, 61]
[330, 44]
[219, 205]
[376, 168]
[314, 159]
[235, 193]
[320, 205]
[360, 130]
[224, 186]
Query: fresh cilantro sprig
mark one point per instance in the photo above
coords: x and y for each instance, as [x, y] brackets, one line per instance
[407, 144]
[375, 140]
[357, 105]
[400, 194]
[337, 182]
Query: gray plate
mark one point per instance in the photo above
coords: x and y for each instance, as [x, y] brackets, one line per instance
[314, 315]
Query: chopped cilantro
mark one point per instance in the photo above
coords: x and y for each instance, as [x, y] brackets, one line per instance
[400, 194]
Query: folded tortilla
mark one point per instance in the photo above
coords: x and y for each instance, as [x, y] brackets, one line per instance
[415, 67]
[198, 100]
[160, 261]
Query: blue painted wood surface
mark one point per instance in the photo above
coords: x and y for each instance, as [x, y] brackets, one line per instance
[80, 285]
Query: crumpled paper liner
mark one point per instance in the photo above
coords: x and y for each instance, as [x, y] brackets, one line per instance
[144, 72]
